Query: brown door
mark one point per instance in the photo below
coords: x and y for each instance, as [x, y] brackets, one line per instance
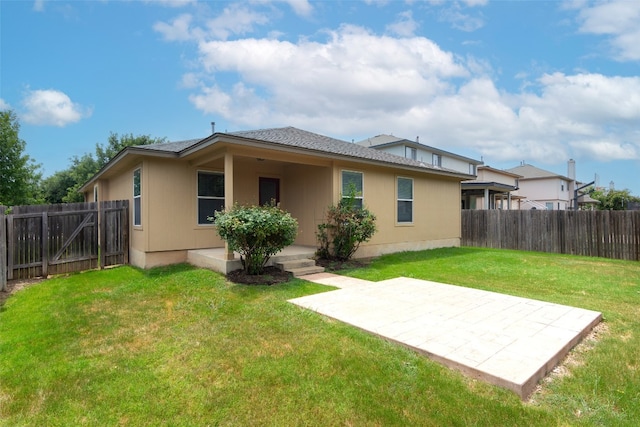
[269, 190]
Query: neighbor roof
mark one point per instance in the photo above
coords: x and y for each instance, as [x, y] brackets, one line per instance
[532, 172]
[381, 141]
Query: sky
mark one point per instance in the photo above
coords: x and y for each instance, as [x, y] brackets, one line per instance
[504, 82]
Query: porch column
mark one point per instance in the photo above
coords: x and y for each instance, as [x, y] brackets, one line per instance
[486, 198]
[228, 196]
[509, 200]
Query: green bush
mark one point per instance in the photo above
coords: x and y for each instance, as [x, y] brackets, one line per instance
[256, 233]
[347, 226]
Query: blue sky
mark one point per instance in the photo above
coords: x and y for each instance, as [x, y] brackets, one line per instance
[505, 82]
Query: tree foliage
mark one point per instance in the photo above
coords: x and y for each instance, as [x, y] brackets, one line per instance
[614, 199]
[19, 174]
[347, 226]
[256, 233]
[63, 186]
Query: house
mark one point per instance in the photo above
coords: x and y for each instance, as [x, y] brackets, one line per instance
[492, 189]
[542, 189]
[425, 154]
[174, 187]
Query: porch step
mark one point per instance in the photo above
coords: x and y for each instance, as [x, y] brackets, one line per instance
[300, 267]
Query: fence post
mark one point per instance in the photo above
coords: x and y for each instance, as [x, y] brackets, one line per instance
[102, 232]
[45, 244]
[3, 249]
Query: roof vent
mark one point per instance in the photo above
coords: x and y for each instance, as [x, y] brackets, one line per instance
[213, 128]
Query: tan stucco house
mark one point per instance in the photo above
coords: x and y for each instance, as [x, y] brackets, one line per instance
[173, 188]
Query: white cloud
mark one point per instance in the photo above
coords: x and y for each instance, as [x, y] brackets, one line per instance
[460, 20]
[301, 7]
[4, 105]
[171, 3]
[51, 107]
[235, 19]
[38, 5]
[404, 25]
[356, 83]
[349, 73]
[618, 19]
[178, 30]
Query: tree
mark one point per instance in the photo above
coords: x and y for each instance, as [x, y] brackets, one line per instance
[19, 174]
[614, 199]
[346, 228]
[256, 233]
[63, 186]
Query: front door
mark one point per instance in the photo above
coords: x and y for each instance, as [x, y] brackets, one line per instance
[269, 190]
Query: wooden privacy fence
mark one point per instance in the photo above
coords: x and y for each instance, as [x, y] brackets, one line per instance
[41, 240]
[607, 234]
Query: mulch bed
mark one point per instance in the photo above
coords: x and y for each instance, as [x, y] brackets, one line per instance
[273, 275]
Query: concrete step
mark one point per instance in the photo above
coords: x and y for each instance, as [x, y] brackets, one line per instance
[303, 271]
[295, 263]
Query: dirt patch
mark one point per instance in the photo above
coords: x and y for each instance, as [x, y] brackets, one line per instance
[574, 358]
[14, 286]
[270, 276]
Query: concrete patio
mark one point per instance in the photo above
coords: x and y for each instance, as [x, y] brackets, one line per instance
[508, 341]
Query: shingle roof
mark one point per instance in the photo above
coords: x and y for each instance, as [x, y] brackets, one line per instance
[532, 172]
[172, 147]
[298, 138]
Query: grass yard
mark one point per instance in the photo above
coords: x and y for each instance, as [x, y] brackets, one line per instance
[180, 346]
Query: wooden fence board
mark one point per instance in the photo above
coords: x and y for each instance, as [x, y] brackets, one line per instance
[3, 249]
[607, 234]
[46, 240]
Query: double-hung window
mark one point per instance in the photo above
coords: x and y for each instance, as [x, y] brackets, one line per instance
[405, 200]
[352, 185]
[437, 160]
[137, 198]
[410, 153]
[210, 195]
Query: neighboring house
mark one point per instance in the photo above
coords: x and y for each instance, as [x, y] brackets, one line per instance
[542, 189]
[422, 153]
[492, 189]
[174, 187]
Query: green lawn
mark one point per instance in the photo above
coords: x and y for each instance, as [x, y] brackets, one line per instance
[181, 346]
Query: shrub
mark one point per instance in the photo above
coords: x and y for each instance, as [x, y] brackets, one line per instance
[256, 233]
[347, 226]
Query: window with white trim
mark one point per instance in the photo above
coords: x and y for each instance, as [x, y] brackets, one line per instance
[436, 160]
[210, 195]
[405, 200]
[352, 181]
[137, 198]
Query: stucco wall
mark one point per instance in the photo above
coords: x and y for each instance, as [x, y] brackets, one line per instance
[308, 186]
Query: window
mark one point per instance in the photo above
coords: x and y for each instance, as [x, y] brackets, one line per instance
[137, 201]
[410, 153]
[352, 181]
[405, 200]
[437, 160]
[562, 187]
[472, 169]
[95, 193]
[210, 195]
[549, 206]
